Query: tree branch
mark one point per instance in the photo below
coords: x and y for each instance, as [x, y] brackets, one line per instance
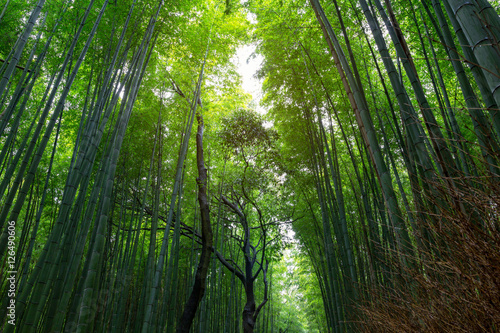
[261, 305]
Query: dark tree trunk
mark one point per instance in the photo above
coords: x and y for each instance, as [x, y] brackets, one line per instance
[249, 309]
[206, 237]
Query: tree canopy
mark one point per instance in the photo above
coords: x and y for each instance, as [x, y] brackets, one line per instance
[143, 190]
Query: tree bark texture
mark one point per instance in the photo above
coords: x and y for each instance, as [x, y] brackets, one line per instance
[206, 236]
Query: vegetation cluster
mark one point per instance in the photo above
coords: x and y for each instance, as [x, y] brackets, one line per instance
[141, 191]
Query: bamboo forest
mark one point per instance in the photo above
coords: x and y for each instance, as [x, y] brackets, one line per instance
[144, 187]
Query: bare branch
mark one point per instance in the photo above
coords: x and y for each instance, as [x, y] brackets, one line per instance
[233, 207]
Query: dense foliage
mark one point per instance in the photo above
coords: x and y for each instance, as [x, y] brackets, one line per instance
[141, 191]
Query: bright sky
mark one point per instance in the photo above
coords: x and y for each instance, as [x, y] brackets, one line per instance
[248, 65]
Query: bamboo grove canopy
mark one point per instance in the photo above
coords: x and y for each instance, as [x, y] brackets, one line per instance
[142, 189]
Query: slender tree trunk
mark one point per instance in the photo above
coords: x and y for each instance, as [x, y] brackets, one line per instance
[206, 235]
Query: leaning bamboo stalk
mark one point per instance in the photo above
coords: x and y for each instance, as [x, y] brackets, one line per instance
[51, 124]
[95, 258]
[481, 125]
[179, 168]
[335, 174]
[44, 141]
[23, 39]
[365, 123]
[436, 137]
[482, 41]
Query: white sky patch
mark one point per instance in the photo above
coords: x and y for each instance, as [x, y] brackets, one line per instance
[290, 234]
[248, 63]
